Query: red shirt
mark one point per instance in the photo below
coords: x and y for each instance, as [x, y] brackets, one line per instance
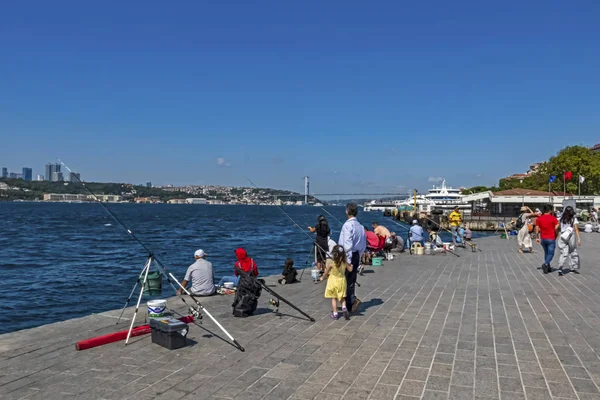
[547, 224]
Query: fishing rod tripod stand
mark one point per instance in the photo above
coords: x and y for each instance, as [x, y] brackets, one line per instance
[145, 272]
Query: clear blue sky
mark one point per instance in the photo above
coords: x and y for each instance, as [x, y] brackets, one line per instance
[361, 96]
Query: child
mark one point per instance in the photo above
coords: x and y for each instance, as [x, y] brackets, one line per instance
[336, 269]
[288, 275]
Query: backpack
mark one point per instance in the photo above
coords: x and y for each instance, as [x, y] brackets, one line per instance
[519, 222]
[248, 291]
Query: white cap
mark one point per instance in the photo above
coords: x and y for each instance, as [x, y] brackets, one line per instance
[199, 253]
[415, 222]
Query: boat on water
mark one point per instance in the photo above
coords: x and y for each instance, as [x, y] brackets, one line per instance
[447, 198]
[382, 205]
[442, 199]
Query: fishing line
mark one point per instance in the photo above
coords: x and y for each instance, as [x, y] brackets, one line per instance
[152, 255]
[293, 221]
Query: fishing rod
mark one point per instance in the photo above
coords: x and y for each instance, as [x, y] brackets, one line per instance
[262, 283]
[403, 227]
[473, 245]
[293, 221]
[152, 256]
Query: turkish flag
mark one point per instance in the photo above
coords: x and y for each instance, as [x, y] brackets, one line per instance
[568, 175]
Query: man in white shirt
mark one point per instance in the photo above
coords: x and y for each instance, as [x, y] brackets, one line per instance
[201, 275]
[354, 242]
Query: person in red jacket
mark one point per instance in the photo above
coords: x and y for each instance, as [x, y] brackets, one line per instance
[245, 263]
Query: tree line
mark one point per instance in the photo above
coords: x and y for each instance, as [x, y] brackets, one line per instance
[579, 160]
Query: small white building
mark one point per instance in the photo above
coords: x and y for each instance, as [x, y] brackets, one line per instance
[195, 201]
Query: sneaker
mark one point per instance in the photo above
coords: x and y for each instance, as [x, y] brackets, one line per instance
[560, 272]
[346, 313]
[283, 281]
[334, 315]
[546, 268]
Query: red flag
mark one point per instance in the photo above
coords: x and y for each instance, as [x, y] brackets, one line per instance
[568, 175]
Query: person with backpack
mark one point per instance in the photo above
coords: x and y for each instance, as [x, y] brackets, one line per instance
[522, 224]
[568, 241]
[249, 288]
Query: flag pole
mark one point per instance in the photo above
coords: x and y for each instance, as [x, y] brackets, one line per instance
[564, 185]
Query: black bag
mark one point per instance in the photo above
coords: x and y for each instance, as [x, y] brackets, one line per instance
[246, 296]
[519, 222]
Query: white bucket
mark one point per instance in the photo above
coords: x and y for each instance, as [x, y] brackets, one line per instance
[427, 248]
[314, 274]
[157, 308]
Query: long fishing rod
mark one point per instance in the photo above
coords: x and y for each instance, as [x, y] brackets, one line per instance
[152, 255]
[293, 221]
[262, 283]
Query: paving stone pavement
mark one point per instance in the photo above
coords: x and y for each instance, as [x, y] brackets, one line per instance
[487, 325]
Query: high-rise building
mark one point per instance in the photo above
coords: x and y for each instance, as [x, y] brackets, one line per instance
[148, 184]
[57, 177]
[4, 172]
[74, 177]
[51, 169]
[27, 174]
[12, 175]
[40, 178]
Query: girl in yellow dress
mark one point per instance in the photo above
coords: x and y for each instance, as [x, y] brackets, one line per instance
[335, 270]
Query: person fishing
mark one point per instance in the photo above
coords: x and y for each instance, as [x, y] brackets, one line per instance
[322, 230]
[245, 263]
[335, 273]
[455, 219]
[289, 273]
[202, 276]
[381, 230]
[354, 241]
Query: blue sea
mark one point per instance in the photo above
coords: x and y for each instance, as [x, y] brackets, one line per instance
[61, 261]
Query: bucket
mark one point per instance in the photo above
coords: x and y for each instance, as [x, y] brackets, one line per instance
[157, 308]
[427, 248]
[377, 261]
[314, 274]
[153, 285]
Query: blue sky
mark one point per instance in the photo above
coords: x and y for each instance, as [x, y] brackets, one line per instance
[360, 97]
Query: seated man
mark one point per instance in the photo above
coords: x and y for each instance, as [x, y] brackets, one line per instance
[381, 230]
[289, 273]
[416, 233]
[201, 275]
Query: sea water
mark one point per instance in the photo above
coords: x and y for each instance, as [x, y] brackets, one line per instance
[61, 261]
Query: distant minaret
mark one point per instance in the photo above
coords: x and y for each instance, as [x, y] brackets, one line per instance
[306, 190]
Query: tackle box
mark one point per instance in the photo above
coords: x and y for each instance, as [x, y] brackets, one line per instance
[169, 332]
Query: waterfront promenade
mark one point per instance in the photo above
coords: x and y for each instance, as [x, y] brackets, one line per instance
[485, 325]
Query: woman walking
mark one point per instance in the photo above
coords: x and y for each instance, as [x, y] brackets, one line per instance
[568, 241]
[321, 243]
[526, 226]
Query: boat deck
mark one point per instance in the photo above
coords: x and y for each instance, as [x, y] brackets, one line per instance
[487, 325]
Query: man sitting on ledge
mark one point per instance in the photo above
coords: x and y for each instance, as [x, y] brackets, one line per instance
[201, 275]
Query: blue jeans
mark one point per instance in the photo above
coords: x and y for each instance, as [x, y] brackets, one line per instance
[234, 279]
[549, 245]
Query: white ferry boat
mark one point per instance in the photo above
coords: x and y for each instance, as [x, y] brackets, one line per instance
[446, 198]
[382, 205]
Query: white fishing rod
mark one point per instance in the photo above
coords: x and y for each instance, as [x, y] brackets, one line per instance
[151, 256]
